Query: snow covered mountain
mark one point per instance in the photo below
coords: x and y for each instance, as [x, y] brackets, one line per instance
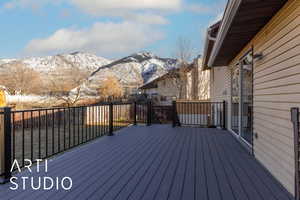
[48, 64]
[132, 71]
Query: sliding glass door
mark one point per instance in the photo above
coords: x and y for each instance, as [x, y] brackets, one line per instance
[242, 98]
[235, 99]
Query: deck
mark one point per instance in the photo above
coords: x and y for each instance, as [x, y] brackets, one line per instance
[158, 162]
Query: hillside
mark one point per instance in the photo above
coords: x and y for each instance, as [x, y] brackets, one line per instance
[131, 71]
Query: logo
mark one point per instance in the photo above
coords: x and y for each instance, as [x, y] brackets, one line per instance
[37, 179]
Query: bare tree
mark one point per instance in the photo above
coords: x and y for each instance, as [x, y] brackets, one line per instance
[20, 79]
[183, 53]
[66, 84]
[110, 87]
[184, 50]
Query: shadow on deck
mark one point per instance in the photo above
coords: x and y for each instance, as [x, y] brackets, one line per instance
[157, 162]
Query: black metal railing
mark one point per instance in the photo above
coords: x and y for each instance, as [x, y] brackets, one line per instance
[142, 110]
[161, 114]
[295, 121]
[42, 133]
[198, 113]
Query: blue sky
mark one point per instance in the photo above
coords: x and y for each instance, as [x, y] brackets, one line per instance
[108, 28]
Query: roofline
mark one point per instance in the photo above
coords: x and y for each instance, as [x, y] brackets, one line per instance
[205, 49]
[208, 39]
[228, 17]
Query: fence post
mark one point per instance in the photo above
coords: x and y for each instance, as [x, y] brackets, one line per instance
[5, 134]
[134, 113]
[224, 115]
[111, 119]
[295, 120]
[174, 113]
[149, 113]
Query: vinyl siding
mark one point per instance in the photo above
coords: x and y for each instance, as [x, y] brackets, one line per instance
[277, 89]
[220, 88]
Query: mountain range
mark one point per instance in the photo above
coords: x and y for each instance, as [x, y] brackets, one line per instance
[131, 71]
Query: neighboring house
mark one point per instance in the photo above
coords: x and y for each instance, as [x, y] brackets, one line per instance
[190, 83]
[253, 55]
[162, 90]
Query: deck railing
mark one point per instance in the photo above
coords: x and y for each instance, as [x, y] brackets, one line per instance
[199, 113]
[42, 133]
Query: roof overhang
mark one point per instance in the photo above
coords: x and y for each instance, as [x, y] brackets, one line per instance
[242, 20]
[170, 74]
[211, 37]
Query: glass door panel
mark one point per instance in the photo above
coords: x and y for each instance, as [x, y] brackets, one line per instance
[247, 99]
[235, 99]
[242, 98]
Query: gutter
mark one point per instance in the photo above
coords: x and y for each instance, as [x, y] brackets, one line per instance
[229, 15]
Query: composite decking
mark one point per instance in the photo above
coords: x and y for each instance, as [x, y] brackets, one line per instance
[158, 162]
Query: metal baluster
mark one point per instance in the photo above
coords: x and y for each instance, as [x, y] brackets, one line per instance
[64, 128]
[14, 135]
[53, 121]
[74, 126]
[39, 125]
[69, 113]
[82, 124]
[58, 131]
[78, 125]
[46, 118]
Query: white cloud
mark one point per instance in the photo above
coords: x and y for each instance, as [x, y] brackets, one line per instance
[97, 6]
[213, 8]
[32, 4]
[153, 10]
[200, 9]
[146, 18]
[102, 39]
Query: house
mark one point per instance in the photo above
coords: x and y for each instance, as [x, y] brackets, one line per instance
[253, 55]
[164, 89]
[188, 83]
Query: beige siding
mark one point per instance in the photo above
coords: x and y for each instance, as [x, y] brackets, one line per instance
[220, 88]
[276, 90]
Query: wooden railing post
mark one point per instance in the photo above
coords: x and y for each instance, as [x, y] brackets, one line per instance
[111, 119]
[224, 115]
[5, 143]
[295, 121]
[134, 113]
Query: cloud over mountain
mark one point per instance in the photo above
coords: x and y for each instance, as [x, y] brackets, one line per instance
[102, 38]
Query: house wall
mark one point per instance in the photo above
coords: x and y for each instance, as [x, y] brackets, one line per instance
[220, 88]
[204, 92]
[276, 89]
[150, 91]
[189, 86]
[167, 88]
[195, 80]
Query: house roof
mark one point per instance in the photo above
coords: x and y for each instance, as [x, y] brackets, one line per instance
[153, 83]
[211, 36]
[242, 20]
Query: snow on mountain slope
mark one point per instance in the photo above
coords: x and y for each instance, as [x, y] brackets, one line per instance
[46, 64]
[132, 71]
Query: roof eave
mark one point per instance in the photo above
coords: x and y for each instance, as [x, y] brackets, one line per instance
[229, 15]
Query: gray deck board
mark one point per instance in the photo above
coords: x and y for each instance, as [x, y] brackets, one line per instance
[158, 162]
